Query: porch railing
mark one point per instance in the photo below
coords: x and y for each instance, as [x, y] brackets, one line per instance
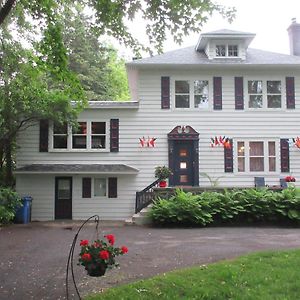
[145, 197]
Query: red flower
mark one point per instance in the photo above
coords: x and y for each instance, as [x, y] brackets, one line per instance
[86, 257]
[104, 254]
[124, 249]
[84, 242]
[290, 179]
[110, 238]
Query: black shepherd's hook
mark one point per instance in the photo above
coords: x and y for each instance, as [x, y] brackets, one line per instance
[71, 254]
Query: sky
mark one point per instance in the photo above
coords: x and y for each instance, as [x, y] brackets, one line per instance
[268, 19]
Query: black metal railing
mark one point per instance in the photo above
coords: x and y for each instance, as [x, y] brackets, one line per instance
[145, 197]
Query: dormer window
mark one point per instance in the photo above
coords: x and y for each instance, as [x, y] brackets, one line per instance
[220, 50]
[227, 51]
[233, 50]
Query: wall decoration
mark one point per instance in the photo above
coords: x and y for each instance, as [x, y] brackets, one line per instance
[296, 142]
[222, 141]
[150, 142]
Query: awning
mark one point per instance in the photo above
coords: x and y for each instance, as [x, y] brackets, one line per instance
[76, 169]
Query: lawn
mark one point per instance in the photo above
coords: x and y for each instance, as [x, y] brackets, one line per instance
[264, 275]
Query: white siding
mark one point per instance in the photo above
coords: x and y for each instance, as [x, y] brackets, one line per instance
[150, 120]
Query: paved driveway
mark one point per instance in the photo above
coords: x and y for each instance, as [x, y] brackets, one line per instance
[33, 257]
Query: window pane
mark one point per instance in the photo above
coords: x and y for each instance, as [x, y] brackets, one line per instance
[201, 101]
[271, 148]
[254, 86]
[255, 101]
[256, 148]
[241, 148]
[274, 101]
[256, 164]
[232, 50]
[182, 87]
[60, 129]
[98, 128]
[183, 165]
[79, 142]
[272, 164]
[63, 190]
[241, 164]
[182, 101]
[60, 142]
[100, 187]
[274, 87]
[201, 87]
[220, 50]
[182, 152]
[98, 142]
[183, 178]
[81, 129]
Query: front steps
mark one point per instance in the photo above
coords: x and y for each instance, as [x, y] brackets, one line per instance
[140, 218]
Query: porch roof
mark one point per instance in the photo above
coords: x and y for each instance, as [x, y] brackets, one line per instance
[76, 169]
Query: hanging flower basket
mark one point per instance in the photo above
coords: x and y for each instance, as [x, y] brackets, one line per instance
[100, 255]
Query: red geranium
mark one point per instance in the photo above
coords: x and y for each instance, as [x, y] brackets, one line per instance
[124, 249]
[86, 257]
[110, 238]
[84, 243]
[290, 179]
[104, 254]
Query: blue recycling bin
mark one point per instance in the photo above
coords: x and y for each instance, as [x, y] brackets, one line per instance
[23, 214]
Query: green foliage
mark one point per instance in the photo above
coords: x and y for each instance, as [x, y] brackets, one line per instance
[9, 203]
[213, 181]
[162, 172]
[246, 206]
[259, 276]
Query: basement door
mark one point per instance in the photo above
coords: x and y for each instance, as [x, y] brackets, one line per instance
[63, 198]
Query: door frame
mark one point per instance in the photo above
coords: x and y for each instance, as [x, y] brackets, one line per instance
[184, 133]
[57, 178]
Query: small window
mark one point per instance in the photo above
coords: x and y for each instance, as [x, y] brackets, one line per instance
[201, 93]
[272, 156]
[182, 94]
[100, 187]
[79, 136]
[220, 50]
[60, 136]
[98, 135]
[233, 50]
[255, 94]
[274, 94]
[241, 156]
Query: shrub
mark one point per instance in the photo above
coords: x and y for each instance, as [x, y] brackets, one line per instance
[9, 203]
[235, 207]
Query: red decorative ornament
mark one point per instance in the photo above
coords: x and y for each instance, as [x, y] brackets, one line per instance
[220, 141]
[150, 142]
[296, 142]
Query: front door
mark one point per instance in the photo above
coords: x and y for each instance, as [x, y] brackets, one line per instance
[63, 198]
[183, 168]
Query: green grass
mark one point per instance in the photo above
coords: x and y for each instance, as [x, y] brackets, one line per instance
[265, 275]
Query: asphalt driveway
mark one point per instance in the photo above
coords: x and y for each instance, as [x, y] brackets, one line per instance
[33, 257]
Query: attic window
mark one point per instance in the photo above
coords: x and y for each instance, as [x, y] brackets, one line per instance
[227, 51]
[232, 50]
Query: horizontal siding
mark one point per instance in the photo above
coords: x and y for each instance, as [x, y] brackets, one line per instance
[150, 120]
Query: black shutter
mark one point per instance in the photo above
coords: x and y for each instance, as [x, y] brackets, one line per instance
[239, 92]
[290, 92]
[217, 82]
[165, 92]
[114, 135]
[86, 187]
[284, 155]
[44, 135]
[112, 187]
[228, 158]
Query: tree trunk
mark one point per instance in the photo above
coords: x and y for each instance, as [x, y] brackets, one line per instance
[5, 9]
[8, 177]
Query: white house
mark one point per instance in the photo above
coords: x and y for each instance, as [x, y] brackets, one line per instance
[183, 101]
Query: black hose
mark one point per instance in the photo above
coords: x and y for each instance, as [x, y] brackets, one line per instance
[71, 256]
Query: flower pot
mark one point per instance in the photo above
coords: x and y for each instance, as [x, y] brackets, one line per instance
[162, 184]
[96, 270]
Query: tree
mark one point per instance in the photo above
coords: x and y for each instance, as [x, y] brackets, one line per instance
[97, 65]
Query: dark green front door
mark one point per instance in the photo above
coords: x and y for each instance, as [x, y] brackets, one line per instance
[63, 198]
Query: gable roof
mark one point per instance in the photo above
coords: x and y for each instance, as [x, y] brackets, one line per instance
[192, 58]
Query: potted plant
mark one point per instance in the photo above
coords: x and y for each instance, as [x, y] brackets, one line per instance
[99, 255]
[162, 173]
[290, 180]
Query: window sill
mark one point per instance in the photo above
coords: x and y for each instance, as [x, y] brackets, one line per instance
[79, 151]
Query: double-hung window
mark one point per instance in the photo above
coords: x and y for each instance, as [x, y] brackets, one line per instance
[264, 94]
[60, 136]
[227, 50]
[256, 156]
[191, 93]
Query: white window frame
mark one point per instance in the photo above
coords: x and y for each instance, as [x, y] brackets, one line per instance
[265, 93]
[192, 93]
[88, 138]
[226, 45]
[266, 156]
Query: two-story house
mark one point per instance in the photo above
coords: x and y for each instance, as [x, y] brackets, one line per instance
[219, 108]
